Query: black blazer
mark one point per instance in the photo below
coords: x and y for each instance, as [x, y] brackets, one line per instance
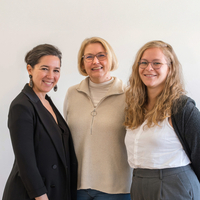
[45, 160]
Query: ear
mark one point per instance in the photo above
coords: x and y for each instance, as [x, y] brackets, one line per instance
[83, 67]
[29, 69]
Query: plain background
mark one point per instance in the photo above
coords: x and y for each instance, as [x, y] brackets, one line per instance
[126, 25]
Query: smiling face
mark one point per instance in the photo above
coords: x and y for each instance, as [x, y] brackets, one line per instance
[45, 74]
[98, 71]
[154, 79]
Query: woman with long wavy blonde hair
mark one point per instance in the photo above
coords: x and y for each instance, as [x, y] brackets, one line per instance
[163, 130]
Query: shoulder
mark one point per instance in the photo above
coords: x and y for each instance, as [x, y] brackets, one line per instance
[80, 86]
[21, 104]
[188, 105]
[183, 103]
[184, 109]
[21, 99]
[118, 81]
[73, 88]
[118, 86]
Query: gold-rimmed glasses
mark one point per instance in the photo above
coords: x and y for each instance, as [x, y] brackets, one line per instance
[90, 57]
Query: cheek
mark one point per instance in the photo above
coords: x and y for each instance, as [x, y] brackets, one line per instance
[85, 66]
[106, 64]
[140, 71]
[57, 77]
[166, 73]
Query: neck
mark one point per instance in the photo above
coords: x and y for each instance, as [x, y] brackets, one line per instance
[99, 80]
[41, 96]
[152, 98]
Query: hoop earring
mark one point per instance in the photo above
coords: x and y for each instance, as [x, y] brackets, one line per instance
[55, 88]
[31, 81]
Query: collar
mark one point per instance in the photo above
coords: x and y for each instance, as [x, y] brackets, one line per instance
[28, 91]
[116, 88]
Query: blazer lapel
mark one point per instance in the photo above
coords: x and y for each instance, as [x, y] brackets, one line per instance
[50, 127]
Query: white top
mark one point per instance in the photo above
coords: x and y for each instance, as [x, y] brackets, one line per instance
[157, 147]
[98, 90]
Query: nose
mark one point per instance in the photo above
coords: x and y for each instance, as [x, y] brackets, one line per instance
[149, 67]
[95, 60]
[50, 74]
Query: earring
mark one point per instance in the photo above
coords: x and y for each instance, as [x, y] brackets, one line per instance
[31, 81]
[55, 88]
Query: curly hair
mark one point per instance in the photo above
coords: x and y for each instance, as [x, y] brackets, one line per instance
[136, 94]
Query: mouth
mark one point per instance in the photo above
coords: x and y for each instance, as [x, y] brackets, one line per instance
[149, 75]
[97, 68]
[48, 82]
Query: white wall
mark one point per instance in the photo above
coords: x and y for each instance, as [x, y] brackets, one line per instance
[126, 25]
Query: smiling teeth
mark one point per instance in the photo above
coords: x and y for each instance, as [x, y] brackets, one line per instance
[48, 83]
[150, 75]
[96, 68]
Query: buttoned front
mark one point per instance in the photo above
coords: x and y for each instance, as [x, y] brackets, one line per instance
[157, 147]
[54, 166]
[40, 162]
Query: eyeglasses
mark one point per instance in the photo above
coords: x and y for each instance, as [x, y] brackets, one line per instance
[154, 64]
[90, 57]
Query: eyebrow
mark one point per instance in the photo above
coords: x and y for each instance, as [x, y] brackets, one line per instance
[48, 66]
[157, 59]
[44, 66]
[94, 54]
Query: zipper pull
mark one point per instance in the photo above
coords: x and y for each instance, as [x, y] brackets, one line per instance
[93, 113]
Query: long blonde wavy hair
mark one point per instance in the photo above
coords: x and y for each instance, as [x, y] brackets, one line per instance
[136, 94]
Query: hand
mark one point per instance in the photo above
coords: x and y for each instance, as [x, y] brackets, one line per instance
[43, 197]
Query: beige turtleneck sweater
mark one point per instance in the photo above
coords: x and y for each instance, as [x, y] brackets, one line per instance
[98, 135]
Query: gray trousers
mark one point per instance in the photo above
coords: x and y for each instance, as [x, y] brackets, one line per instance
[178, 183]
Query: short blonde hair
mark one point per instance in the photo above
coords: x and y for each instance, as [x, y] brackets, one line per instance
[136, 94]
[112, 59]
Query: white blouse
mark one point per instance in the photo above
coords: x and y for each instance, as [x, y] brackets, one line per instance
[157, 147]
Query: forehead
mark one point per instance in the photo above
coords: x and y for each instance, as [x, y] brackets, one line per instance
[153, 54]
[49, 60]
[94, 48]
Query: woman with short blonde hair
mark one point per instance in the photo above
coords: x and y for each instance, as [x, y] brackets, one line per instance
[94, 110]
[110, 54]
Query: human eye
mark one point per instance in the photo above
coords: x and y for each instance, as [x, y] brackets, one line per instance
[157, 63]
[57, 71]
[89, 57]
[101, 55]
[143, 63]
[44, 68]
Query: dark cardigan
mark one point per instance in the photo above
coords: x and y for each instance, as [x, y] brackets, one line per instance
[186, 123]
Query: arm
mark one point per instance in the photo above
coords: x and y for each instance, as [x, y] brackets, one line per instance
[21, 125]
[65, 106]
[192, 135]
[43, 197]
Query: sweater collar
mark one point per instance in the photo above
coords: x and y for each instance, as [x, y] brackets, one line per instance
[116, 88]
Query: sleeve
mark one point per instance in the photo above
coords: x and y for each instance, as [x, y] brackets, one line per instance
[192, 135]
[65, 106]
[21, 126]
